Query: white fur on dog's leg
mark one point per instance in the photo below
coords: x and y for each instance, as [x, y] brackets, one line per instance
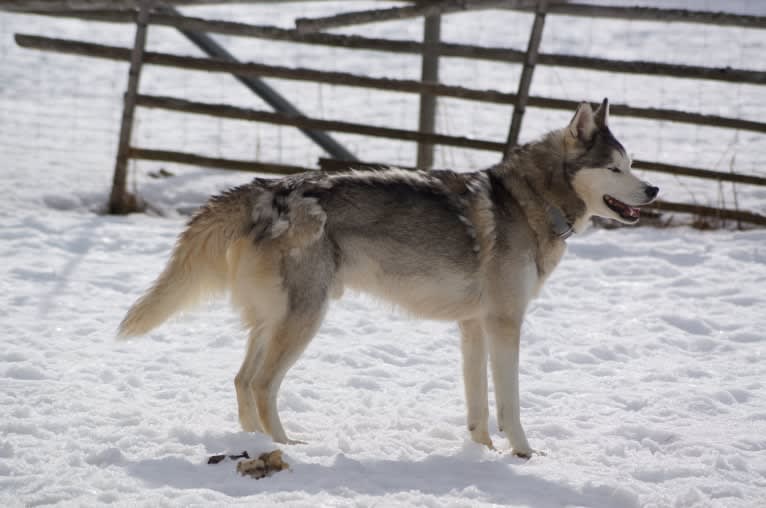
[474, 351]
[248, 413]
[482, 437]
[280, 351]
[504, 337]
[267, 403]
[266, 399]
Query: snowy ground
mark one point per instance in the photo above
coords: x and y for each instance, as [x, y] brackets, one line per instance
[642, 379]
[642, 376]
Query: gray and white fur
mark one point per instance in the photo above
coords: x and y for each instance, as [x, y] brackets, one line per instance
[473, 247]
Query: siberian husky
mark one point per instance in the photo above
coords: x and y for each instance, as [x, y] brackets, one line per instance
[472, 247]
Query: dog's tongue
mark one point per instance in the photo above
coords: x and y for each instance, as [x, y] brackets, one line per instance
[624, 209]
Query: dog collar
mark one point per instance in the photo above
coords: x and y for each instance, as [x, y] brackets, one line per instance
[562, 228]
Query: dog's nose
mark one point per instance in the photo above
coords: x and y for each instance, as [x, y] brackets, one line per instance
[651, 192]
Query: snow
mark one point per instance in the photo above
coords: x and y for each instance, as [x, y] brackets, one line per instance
[642, 374]
[642, 380]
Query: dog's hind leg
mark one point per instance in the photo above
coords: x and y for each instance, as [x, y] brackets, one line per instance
[474, 348]
[280, 352]
[504, 337]
[248, 411]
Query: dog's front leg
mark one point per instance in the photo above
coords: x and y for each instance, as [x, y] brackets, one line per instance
[504, 337]
[474, 348]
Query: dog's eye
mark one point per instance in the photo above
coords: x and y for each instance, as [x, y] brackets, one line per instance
[615, 170]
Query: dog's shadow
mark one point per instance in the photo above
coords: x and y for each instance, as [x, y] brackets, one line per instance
[463, 474]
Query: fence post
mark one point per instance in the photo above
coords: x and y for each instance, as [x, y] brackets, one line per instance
[530, 59]
[120, 201]
[429, 73]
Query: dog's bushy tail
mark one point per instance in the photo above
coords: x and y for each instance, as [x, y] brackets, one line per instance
[198, 266]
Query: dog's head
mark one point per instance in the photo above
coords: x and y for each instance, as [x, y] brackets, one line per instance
[599, 168]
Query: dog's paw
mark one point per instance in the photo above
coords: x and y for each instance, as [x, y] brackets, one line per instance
[482, 438]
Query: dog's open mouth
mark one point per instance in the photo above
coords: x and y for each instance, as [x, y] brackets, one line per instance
[626, 212]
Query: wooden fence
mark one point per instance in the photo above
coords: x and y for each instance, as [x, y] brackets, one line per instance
[307, 31]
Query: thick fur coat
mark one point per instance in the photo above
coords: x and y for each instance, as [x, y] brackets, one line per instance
[472, 247]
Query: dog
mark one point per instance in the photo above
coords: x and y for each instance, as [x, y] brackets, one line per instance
[472, 247]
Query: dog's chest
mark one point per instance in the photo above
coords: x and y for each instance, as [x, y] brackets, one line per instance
[547, 261]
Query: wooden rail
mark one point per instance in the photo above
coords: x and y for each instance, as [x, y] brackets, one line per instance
[395, 13]
[709, 211]
[213, 162]
[443, 49]
[347, 79]
[564, 8]
[707, 174]
[58, 5]
[656, 14]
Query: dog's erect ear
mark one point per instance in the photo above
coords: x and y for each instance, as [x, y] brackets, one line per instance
[583, 126]
[601, 116]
